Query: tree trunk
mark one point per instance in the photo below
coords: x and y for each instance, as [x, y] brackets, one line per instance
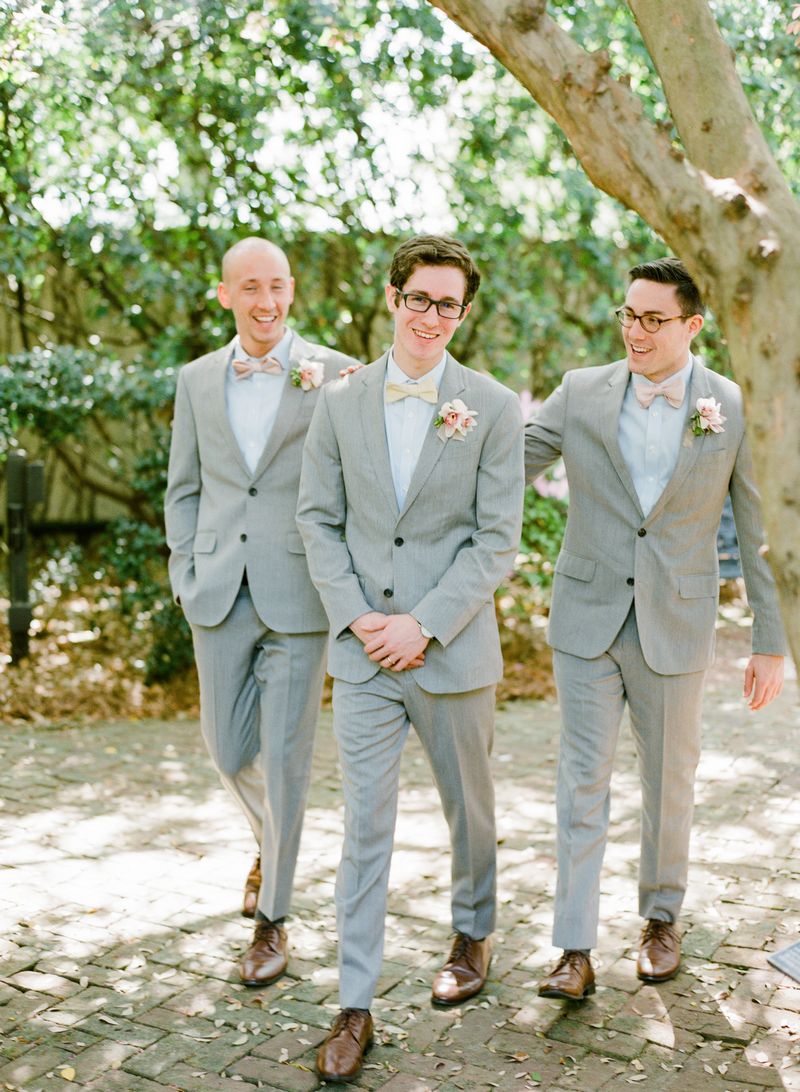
[717, 198]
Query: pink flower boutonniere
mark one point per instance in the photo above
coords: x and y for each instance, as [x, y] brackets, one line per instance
[707, 417]
[454, 420]
[308, 374]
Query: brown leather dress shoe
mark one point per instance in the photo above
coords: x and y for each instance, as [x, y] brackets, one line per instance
[266, 958]
[572, 978]
[659, 952]
[252, 886]
[340, 1056]
[464, 974]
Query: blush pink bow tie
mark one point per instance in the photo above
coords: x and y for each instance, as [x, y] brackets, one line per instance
[673, 392]
[267, 365]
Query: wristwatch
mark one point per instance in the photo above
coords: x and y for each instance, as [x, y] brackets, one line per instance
[426, 633]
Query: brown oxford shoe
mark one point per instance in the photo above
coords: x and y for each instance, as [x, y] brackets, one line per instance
[252, 886]
[572, 978]
[659, 952]
[464, 974]
[341, 1055]
[266, 958]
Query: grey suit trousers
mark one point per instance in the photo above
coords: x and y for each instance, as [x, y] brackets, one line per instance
[259, 699]
[371, 723]
[665, 714]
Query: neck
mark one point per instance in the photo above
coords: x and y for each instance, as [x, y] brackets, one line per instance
[412, 368]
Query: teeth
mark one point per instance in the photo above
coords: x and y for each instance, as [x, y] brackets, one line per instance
[421, 333]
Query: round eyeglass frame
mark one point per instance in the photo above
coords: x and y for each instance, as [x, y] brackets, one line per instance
[651, 324]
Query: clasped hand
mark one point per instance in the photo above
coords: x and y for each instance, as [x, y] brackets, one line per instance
[391, 640]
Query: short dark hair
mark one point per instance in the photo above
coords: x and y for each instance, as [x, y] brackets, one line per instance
[434, 250]
[672, 271]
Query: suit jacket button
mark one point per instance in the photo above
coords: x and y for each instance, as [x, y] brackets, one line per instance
[398, 541]
[388, 593]
[629, 581]
[252, 490]
[641, 532]
[243, 537]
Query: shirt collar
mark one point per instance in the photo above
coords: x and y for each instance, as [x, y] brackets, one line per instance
[279, 352]
[395, 374]
[684, 374]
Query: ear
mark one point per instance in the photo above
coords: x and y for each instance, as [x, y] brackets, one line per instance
[696, 324]
[466, 312]
[222, 296]
[391, 298]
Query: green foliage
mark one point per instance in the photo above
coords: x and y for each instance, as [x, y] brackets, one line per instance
[138, 141]
[135, 556]
[543, 523]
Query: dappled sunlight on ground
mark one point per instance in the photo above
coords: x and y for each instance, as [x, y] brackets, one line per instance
[121, 865]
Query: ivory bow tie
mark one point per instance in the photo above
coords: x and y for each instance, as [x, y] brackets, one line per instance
[267, 364]
[673, 392]
[426, 390]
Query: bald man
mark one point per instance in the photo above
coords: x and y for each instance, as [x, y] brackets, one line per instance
[238, 569]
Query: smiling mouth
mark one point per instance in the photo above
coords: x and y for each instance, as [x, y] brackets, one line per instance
[265, 318]
[424, 334]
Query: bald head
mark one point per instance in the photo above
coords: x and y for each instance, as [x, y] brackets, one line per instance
[257, 285]
[252, 246]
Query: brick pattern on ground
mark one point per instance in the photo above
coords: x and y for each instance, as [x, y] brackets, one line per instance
[121, 867]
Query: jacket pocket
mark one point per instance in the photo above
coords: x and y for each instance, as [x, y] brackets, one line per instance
[294, 543]
[581, 568]
[205, 542]
[698, 586]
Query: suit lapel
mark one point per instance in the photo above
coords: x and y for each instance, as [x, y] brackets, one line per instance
[609, 408]
[373, 425]
[432, 447]
[218, 406]
[288, 408]
[691, 445]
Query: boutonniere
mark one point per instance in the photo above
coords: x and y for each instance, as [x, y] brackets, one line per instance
[707, 417]
[308, 374]
[454, 420]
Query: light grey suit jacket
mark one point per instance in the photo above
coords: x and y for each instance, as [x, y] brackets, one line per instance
[220, 517]
[666, 561]
[440, 558]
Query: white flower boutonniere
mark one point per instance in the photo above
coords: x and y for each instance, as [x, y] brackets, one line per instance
[454, 420]
[707, 417]
[308, 374]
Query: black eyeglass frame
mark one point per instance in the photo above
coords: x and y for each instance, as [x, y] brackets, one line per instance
[404, 296]
[646, 321]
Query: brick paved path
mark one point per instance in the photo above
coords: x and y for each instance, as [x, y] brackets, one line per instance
[120, 874]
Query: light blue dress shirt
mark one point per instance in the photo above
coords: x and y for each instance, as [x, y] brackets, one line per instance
[252, 403]
[650, 439]
[407, 425]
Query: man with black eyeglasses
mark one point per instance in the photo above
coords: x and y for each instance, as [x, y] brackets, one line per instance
[410, 508]
[652, 445]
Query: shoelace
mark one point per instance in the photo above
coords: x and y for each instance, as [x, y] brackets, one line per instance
[572, 959]
[343, 1021]
[268, 931]
[460, 947]
[658, 931]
